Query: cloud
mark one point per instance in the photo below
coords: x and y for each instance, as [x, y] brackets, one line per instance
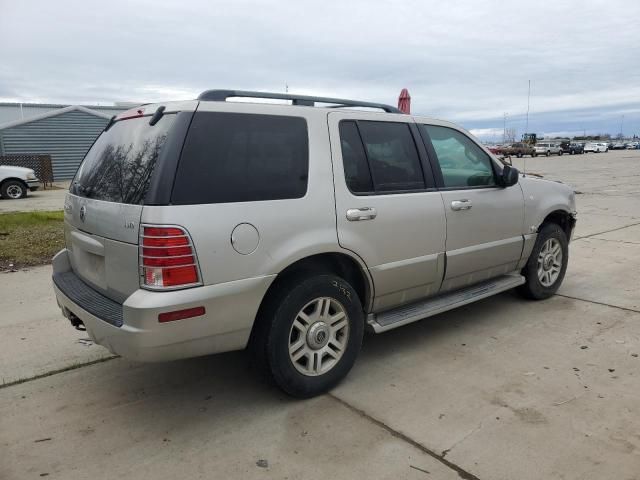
[487, 133]
[460, 61]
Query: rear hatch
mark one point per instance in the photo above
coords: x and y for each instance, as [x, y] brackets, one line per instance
[104, 204]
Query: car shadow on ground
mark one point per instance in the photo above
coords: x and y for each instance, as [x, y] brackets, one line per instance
[226, 384]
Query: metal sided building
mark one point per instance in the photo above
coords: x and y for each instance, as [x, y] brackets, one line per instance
[65, 133]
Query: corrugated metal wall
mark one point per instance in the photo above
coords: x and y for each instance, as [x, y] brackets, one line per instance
[66, 137]
[10, 112]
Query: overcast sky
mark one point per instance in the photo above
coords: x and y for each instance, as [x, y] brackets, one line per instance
[465, 61]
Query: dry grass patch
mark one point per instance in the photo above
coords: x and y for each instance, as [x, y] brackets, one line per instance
[30, 238]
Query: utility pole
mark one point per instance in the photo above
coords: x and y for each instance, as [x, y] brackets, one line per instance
[504, 129]
[621, 125]
[526, 129]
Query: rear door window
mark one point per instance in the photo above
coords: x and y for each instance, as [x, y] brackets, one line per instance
[119, 165]
[234, 157]
[393, 157]
[380, 157]
[356, 167]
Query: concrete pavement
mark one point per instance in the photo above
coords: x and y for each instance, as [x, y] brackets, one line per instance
[500, 389]
[33, 339]
[52, 199]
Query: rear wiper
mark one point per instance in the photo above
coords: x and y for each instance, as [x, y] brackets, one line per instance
[155, 118]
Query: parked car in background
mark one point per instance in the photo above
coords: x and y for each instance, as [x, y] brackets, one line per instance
[518, 150]
[495, 149]
[310, 233]
[15, 182]
[596, 147]
[619, 146]
[548, 148]
[572, 147]
[633, 146]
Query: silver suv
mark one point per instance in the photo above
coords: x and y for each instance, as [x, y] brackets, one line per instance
[206, 226]
[548, 148]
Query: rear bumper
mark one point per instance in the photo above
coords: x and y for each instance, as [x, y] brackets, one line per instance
[230, 312]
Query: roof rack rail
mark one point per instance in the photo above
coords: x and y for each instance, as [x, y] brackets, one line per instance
[304, 100]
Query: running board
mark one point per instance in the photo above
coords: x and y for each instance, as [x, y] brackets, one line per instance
[381, 322]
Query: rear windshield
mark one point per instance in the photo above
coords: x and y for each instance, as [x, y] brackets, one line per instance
[119, 165]
[233, 157]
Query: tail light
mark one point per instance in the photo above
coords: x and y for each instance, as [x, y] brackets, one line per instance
[167, 258]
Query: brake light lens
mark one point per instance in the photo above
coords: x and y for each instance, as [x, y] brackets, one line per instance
[133, 113]
[167, 258]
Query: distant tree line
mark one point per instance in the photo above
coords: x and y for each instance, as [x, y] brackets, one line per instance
[598, 136]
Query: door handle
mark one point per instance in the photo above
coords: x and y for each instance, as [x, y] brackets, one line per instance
[359, 214]
[461, 205]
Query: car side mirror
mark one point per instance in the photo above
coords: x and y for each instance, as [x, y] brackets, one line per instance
[509, 176]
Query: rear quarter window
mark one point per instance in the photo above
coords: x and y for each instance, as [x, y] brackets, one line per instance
[234, 157]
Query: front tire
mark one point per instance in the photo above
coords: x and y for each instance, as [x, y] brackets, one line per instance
[13, 189]
[547, 263]
[308, 334]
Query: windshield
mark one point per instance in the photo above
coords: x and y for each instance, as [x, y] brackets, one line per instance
[119, 165]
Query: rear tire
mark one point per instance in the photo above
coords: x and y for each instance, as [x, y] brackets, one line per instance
[547, 263]
[308, 334]
[13, 189]
[548, 153]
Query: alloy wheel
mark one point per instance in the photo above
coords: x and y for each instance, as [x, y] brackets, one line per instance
[549, 262]
[318, 336]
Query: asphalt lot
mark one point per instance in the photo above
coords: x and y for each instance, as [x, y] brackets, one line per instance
[501, 389]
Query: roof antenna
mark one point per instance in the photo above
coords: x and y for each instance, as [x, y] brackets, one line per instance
[526, 131]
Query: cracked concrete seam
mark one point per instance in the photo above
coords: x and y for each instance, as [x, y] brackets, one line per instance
[606, 231]
[446, 451]
[626, 309]
[612, 240]
[56, 372]
[462, 473]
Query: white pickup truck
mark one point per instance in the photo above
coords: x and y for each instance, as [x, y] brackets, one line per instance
[16, 181]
